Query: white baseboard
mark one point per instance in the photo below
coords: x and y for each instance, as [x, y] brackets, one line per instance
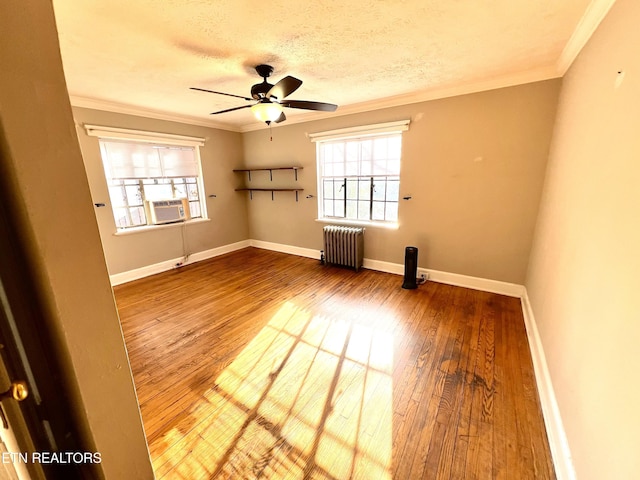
[475, 283]
[381, 266]
[282, 248]
[130, 275]
[558, 443]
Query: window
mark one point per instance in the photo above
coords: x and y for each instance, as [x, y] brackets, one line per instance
[359, 175]
[142, 168]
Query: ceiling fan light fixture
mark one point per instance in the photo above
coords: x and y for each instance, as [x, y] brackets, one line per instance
[267, 111]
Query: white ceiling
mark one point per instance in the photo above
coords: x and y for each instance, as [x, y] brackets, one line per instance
[141, 56]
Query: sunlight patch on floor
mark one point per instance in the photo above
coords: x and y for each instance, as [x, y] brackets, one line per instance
[309, 397]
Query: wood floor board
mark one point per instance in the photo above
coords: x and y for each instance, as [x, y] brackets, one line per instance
[258, 364]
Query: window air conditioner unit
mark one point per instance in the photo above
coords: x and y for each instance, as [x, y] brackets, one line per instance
[167, 211]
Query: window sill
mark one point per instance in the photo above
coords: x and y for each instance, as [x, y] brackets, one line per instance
[358, 223]
[154, 228]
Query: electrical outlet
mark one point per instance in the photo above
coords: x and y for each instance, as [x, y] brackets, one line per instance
[424, 276]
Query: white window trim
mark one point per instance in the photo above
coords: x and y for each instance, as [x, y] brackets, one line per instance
[361, 131]
[154, 228]
[348, 133]
[115, 133]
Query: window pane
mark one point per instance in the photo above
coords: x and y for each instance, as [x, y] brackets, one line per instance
[380, 167]
[363, 210]
[380, 148]
[352, 189]
[364, 188]
[338, 152]
[327, 188]
[338, 206]
[328, 169]
[352, 151]
[391, 211]
[328, 208]
[366, 149]
[378, 211]
[395, 144]
[326, 153]
[194, 209]
[352, 209]
[137, 216]
[365, 168]
[393, 190]
[352, 168]
[379, 185]
[158, 192]
[121, 217]
[177, 162]
[134, 196]
[192, 190]
[117, 196]
[393, 166]
[180, 191]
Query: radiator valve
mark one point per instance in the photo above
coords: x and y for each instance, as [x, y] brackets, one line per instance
[322, 257]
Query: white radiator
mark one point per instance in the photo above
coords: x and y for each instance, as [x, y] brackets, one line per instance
[344, 246]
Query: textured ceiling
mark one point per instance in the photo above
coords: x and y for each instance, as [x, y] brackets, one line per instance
[145, 54]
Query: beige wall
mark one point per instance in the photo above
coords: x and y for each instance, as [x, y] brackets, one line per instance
[583, 278]
[221, 153]
[468, 217]
[52, 201]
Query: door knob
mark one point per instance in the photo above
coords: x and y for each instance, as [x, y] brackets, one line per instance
[19, 390]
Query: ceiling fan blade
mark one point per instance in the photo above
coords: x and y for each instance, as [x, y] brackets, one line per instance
[281, 118]
[284, 87]
[221, 93]
[306, 105]
[231, 109]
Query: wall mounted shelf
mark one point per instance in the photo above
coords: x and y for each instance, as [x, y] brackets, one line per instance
[270, 170]
[251, 190]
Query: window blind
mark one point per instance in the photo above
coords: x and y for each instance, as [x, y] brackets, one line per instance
[126, 160]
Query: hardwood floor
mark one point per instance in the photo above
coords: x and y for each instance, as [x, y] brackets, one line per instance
[258, 364]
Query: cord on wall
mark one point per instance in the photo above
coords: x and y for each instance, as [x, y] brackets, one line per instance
[185, 246]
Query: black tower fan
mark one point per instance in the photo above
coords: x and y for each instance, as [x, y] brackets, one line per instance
[410, 268]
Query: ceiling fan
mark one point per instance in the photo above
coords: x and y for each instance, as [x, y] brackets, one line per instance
[271, 98]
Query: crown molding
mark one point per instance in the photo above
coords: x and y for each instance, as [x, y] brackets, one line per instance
[95, 104]
[593, 16]
[504, 81]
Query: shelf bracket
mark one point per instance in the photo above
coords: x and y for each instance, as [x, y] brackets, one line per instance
[296, 195]
[249, 172]
[271, 175]
[272, 195]
[295, 172]
[250, 194]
